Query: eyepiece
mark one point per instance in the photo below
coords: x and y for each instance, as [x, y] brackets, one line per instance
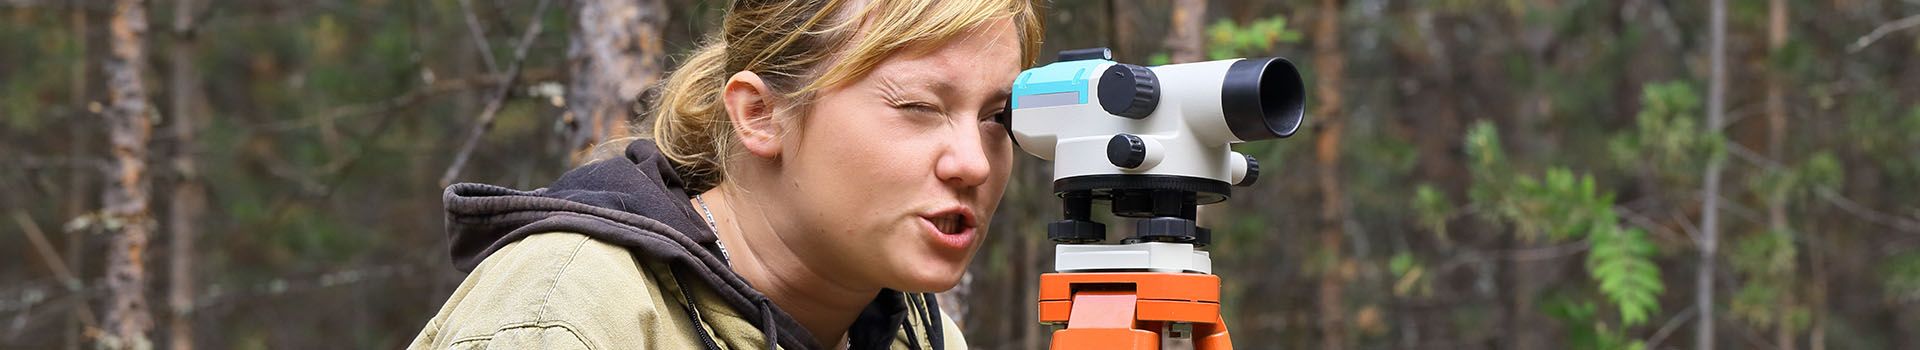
[1263, 98]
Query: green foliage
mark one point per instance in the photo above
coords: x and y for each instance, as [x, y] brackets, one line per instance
[1488, 162]
[1902, 274]
[1667, 133]
[1766, 262]
[1770, 252]
[1621, 262]
[1585, 328]
[1226, 39]
[34, 72]
[1410, 275]
[1564, 206]
[1432, 208]
[1799, 181]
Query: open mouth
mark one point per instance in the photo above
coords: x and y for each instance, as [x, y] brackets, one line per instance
[951, 223]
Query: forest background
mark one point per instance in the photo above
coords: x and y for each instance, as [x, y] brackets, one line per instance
[1557, 174]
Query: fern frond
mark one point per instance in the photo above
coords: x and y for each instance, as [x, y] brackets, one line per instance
[1621, 263]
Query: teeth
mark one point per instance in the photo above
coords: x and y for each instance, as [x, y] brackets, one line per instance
[948, 224]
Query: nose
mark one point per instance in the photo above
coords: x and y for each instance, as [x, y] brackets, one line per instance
[964, 164]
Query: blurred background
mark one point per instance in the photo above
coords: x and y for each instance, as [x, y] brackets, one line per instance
[1474, 174]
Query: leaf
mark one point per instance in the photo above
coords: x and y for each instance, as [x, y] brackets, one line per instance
[1902, 276]
[1621, 263]
[1432, 208]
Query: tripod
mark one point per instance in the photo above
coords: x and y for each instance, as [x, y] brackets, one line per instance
[1132, 295]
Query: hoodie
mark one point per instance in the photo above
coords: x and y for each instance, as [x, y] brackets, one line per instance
[638, 203]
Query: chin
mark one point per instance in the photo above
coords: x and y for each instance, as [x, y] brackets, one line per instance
[931, 277]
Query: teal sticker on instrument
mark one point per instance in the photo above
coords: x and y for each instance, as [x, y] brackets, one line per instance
[1057, 84]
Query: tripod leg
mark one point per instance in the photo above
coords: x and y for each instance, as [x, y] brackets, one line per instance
[1212, 336]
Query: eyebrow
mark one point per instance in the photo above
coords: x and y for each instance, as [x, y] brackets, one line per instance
[893, 86]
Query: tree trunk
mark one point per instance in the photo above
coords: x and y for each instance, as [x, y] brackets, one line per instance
[1031, 334]
[614, 55]
[128, 221]
[1187, 39]
[1329, 67]
[188, 201]
[1710, 208]
[1120, 29]
[77, 184]
[1776, 148]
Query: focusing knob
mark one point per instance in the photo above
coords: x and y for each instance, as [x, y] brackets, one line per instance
[1253, 173]
[1127, 151]
[1129, 91]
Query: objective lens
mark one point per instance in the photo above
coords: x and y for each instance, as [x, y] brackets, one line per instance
[1263, 98]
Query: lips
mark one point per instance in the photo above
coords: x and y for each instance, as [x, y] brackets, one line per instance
[951, 221]
[949, 224]
[952, 229]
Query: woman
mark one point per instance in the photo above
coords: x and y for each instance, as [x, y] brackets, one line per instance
[815, 171]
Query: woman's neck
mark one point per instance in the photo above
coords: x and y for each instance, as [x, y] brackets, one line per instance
[826, 306]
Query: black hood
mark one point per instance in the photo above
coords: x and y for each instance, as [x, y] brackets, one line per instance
[639, 203]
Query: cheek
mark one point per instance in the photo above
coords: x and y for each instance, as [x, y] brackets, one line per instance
[852, 163]
[863, 149]
[1002, 158]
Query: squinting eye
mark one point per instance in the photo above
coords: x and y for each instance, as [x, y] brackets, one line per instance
[919, 107]
[997, 121]
[999, 117]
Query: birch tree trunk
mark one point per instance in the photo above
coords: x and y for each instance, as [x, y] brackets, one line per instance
[614, 55]
[1710, 208]
[127, 217]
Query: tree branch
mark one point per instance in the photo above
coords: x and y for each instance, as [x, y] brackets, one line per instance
[1672, 324]
[1648, 223]
[492, 108]
[1882, 31]
[480, 36]
[1831, 195]
[1516, 255]
[408, 99]
[55, 263]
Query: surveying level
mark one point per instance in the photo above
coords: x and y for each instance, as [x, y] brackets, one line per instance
[1154, 143]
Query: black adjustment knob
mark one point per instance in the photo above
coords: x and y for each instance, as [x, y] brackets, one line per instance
[1253, 172]
[1126, 151]
[1076, 231]
[1166, 229]
[1129, 91]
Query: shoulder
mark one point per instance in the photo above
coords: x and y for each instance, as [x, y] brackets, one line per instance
[547, 287]
[923, 317]
[954, 338]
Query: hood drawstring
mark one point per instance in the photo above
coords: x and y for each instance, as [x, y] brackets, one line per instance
[766, 323]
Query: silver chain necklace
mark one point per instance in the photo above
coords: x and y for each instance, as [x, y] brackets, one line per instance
[715, 225]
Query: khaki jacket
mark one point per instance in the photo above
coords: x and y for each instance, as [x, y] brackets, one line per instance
[568, 291]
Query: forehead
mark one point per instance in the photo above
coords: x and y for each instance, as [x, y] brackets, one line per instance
[985, 56]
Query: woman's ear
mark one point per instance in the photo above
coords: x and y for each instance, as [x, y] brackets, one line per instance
[750, 107]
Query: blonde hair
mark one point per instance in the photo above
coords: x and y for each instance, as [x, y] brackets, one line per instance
[823, 43]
